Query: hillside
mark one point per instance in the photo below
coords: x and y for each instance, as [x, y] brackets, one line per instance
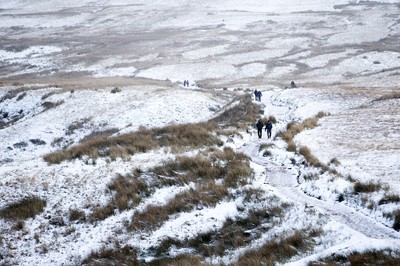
[106, 158]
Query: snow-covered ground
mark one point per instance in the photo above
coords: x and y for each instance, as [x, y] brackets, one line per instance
[70, 55]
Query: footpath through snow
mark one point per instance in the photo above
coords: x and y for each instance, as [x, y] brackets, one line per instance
[281, 177]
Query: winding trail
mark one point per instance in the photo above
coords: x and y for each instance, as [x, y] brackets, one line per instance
[285, 181]
[283, 178]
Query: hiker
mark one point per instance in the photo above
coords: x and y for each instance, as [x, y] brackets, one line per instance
[259, 126]
[268, 128]
[255, 94]
[259, 96]
[293, 85]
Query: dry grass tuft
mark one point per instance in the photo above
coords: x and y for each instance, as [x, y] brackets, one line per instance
[367, 187]
[385, 257]
[281, 250]
[127, 193]
[311, 159]
[394, 95]
[126, 255]
[182, 260]
[178, 137]
[389, 198]
[24, 209]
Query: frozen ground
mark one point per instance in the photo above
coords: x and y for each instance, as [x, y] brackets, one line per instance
[343, 55]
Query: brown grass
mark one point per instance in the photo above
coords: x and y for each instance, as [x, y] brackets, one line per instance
[368, 187]
[182, 260]
[311, 159]
[178, 137]
[394, 95]
[24, 209]
[127, 193]
[126, 255]
[385, 257]
[235, 233]
[226, 165]
[279, 251]
[294, 128]
[389, 198]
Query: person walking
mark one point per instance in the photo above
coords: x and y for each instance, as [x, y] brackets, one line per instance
[255, 94]
[259, 126]
[268, 128]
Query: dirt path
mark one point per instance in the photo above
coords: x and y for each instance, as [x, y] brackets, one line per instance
[284, 179]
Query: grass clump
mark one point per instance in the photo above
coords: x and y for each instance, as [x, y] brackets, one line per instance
[367, 187]
[389, 198]
[386, 257]
[231, 168]
[178, 137]
[125, 255]
[394, 95]
[311, 159]
[127, 193]
[279, 251]
[24, 209]
[293, 128]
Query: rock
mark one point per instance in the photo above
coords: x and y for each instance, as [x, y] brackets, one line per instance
[37, 141]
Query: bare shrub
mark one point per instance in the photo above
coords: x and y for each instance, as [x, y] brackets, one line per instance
[385, 257]
[125, 255]
[368, 187]
[24, 209]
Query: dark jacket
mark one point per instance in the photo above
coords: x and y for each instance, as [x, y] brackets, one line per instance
[259, 124]
[268, 126]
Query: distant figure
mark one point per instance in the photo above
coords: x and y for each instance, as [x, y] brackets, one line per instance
[293, 85]
[184, 83]
[259, 96]
[268, 128]
[255, 94]
[259, 126]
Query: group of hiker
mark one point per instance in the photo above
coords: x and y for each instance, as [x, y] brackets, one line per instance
[186, 83]
[268, 128]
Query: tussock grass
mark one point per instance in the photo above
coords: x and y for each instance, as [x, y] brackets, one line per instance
[24, 209]
[226, 165]
[311, 159]
[50, 105]
[127, 193]
[125, 255]
[76, 215]
[279, 251]
[182, 260]
[204, 195]
[394, 95]
[367, 187]
[294, 128]
[386, 257]
[235, 233]
[389, 198]
[178, 137]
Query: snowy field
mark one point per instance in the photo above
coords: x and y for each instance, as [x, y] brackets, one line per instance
[60, 61]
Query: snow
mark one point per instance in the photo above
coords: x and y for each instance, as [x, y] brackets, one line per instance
[154, 46]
